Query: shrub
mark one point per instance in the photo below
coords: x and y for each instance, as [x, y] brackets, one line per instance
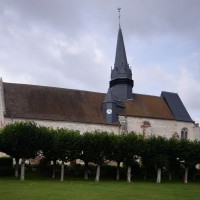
[44, 166]
[6, 166]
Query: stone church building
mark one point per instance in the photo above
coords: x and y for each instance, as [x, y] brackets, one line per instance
[120, 110]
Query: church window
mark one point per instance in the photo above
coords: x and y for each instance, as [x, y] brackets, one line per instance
[184, 133]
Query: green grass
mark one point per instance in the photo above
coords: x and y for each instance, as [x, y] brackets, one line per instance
[77, 189]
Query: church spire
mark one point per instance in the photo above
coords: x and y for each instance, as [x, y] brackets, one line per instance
[120, 57]
[121, 76]
[121, 67]
[119, 9]
[121, 83]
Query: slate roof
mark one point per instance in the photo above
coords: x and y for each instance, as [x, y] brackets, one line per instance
[120, 56]
[121, 67]
[176, 106]
[109, 97]
[59, 104]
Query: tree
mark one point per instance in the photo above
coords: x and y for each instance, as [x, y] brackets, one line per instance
[188, 155]
[116, 151]
[87, 150]
[21, 140]
[173, 162]
[146, 158]
[196, 154]
[50, 138]
[130, 149]
[68, 147]
[158, 147]
[99, 145]
[9, 145]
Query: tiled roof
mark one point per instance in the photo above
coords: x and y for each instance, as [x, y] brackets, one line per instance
[148, 106]
[50, 103]
[39, 102]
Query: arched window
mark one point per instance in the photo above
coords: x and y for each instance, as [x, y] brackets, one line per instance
[184, 133]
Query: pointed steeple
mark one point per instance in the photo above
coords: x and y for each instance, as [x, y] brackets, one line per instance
[120, 57]
[121, 76]
[121, 67]
[121, 63]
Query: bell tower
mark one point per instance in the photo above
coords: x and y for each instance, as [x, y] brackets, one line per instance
[121, 83]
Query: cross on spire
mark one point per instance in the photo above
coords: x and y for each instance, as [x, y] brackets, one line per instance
[119, 9]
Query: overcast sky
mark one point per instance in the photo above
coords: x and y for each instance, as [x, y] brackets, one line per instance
[72, 43]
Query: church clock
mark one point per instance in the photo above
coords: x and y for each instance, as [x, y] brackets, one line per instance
[109, 111]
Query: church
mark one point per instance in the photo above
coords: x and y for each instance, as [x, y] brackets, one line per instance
[119, 110]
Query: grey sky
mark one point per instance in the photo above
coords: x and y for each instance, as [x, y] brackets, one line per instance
[71, 44]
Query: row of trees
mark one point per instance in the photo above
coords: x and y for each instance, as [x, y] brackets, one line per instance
[25, 140]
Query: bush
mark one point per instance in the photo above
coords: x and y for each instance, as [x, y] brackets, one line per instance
[6, 166]
[109, 171]
[75, 170]
[44, 166]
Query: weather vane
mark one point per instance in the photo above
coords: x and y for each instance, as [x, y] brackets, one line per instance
[119, 9]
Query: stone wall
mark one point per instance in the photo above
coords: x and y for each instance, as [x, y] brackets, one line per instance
[145, 126]
[167, 128]
[82, 127]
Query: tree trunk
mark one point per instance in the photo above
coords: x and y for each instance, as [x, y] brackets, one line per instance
[54, 169]
[86, 171]
[118, 167]
[16, 167]
[145, 174]
[186, 175]
[22, 177]
[170, 176]
[97, 173]
[129, 174]
[158, 176]
[193, 177]
[62, 171]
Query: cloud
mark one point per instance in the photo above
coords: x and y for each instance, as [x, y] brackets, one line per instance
[72, 44]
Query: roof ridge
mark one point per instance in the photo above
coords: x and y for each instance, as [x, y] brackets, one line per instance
[25, 84]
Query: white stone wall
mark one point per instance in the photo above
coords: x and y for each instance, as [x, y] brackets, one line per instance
[82, 127]
[163, 127]
[197, 132]
[157, 127]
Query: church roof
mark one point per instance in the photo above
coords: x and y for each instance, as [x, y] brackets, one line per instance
[109, 98]
[176, 106]
[148, 106]
[59, 104]
[50, 103]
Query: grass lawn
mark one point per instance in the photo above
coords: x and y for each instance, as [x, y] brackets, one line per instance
[77, 189]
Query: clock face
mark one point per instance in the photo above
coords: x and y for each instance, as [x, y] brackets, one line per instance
[109, 111]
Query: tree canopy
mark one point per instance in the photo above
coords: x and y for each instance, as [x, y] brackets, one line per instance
[24, 140]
